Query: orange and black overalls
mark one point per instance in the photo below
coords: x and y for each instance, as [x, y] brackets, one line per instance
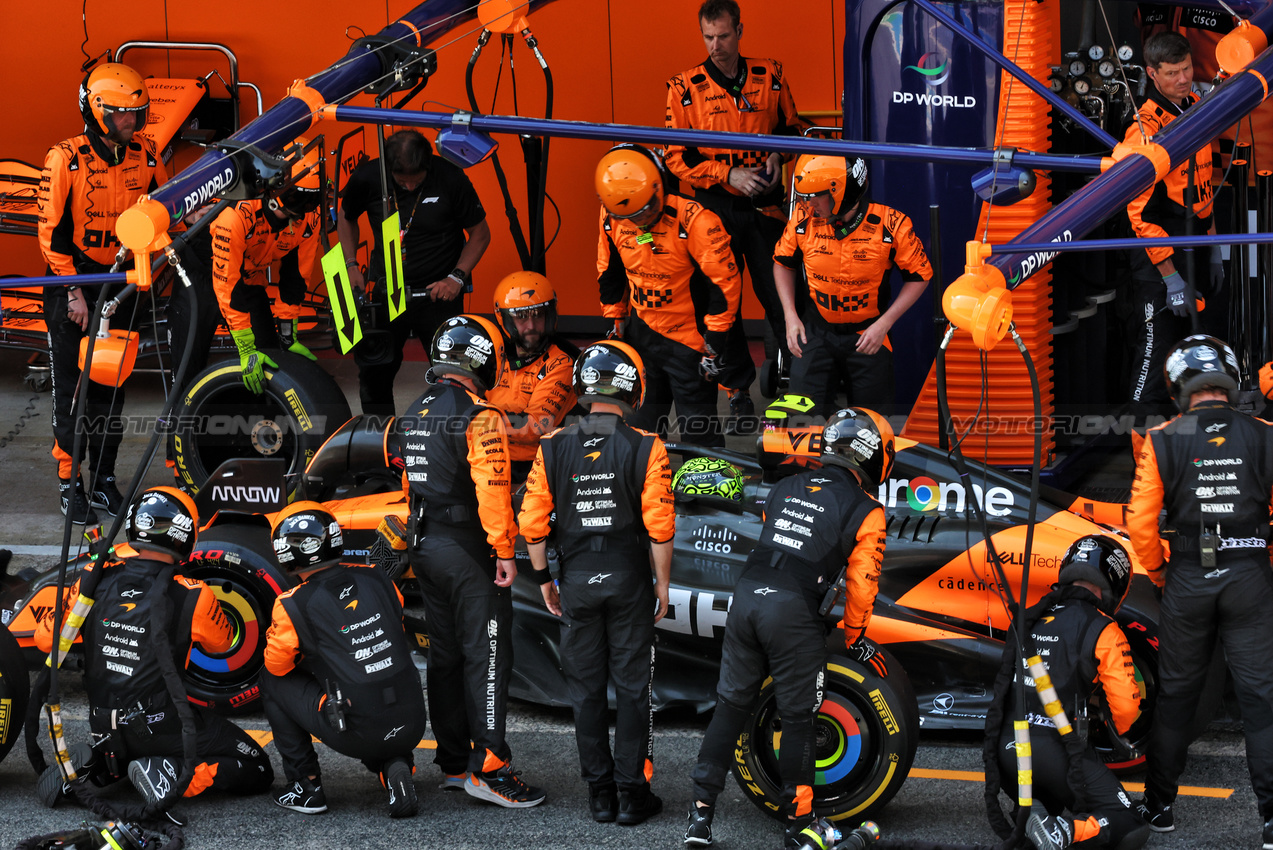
[652, 271]
[816, 524]
[1085, 652]
[246, 240]
[758, 100]
[847, 269]
[128, 699]
[1212, 470]
[341, 630]
[455, 450]
[611, 488]
[83, 189]
[535, 397]
[1181, 200]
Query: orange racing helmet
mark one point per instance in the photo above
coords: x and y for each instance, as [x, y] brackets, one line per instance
[522, 294]
[844, 181]
[630, 181]
[109, 90]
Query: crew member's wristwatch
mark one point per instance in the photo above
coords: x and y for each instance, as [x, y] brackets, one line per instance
[463, 278]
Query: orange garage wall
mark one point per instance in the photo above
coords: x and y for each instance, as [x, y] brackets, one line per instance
[609, 59]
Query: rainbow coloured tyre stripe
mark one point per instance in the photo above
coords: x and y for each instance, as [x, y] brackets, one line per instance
[247, 633]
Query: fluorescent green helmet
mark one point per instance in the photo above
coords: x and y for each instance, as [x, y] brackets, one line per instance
[708, 476]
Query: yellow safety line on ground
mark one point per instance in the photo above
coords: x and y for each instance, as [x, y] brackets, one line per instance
[1134, 787]
[264, 736]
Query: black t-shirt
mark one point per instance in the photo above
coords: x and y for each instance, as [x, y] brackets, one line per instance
[434, 217]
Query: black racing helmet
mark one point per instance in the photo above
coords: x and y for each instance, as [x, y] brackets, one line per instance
[1198, 362]
[610, 372]
[860, 439]
[471, 346]
[1102, 561]
[306, 537]
[163, 519]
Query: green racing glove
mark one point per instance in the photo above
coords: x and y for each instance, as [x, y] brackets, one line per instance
[251, 362]
[287, 334]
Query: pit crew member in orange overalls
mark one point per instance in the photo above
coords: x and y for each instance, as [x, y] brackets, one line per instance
[133, 718]
[1161, 299]
[455, 450]
[732, 93]
[246, 239]
[534, 392]
[820, 526]
[653, 250]
[1212, 470]
[1086, 653]
[846, 247]
[88, 180]
[611, 538]
[338, 666]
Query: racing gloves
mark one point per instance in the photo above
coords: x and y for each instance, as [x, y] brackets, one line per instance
[287, 334]
[710, 366]
[1217, 271]
[1180, 294]
[252, 363]
[617, 331]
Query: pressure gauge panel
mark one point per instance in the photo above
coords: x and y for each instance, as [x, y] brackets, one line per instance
[1078, 68]
[1125, 53]
[1096, 53]
[1107, 68]
[1082, 86]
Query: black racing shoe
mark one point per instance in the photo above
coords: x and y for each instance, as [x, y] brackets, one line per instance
[304, 796]
[602, 800]
[742, 414]
[106, 495]
[1268, 835]
[810, 833]
[1159, 818]
[75, 502]
[1047, 832]
[505, 788]
[698, 833]
[638, 805]
[154, 777]
[401, 787]
[51, 788]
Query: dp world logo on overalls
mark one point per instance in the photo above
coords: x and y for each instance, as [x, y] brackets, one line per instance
[924, 495]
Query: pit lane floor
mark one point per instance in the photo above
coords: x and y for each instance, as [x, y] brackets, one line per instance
[939, 802]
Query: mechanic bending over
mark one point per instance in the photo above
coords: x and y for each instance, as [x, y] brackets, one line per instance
[1160, 299]
[1074, 632]
[610, 545]
[437, 207]
[246, 239]
[132, 716]
[534, 390]
[88, 180]
[457, 482]
[338, 666]
[733, 93]
[654, 250]
[823, 528]
[1212, 469]
[846, 246]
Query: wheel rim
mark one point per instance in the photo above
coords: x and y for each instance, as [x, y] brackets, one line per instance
[1138, 734]
[238, 424]
[845, 747]
[247, 604]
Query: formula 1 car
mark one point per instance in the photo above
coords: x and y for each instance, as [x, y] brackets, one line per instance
[939, 619]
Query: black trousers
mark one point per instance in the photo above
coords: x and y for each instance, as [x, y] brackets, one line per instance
[1197, 610]
[292, 707]
[772, 633]
[830, 358]
[228, 758]
[100, 421]
[607, 634]
[672, 376]
[184, 321]
[379, 357]
[753, 236]
[1151, 330]
[470, 623]
[1108, 806]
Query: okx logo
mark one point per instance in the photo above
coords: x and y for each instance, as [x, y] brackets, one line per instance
[934, 68]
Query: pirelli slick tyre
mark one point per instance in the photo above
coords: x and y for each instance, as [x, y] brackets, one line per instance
[867, 731]
[219, 420]
[236, 561]
[14, 687]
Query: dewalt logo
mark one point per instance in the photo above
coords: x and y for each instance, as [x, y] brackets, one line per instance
[882, 709]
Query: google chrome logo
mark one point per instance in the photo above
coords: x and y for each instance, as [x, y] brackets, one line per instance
[923, 494]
